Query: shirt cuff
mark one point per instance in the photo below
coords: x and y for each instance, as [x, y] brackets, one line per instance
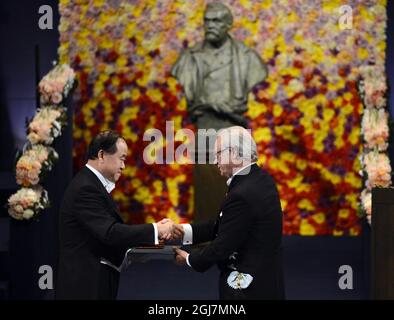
[188, 236]
[156, 234]
[187, 260]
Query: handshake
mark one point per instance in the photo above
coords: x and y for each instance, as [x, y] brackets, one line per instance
[169, 230]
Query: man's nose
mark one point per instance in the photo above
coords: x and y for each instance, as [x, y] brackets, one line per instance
[210, 24]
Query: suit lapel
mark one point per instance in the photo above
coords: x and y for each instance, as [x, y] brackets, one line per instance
[235, 181]
[115, 209]
[114, 206]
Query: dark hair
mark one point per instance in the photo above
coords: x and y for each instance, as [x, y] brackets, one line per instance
[105, 141]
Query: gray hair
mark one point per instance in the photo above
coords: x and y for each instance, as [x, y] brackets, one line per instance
[218, 6]
[240, 139]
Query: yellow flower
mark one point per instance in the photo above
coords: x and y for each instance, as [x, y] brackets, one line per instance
[343, 213]
[129, 171]
[301, 164]
[177, 122]
[328, 175]
[276, 164]
[255, 108]
[182, 104]
[295, 182]
[268, 50]
[262, 160]
[130, 29]
[143, 81]
[143, 195]
[135, 94]
[277, 110]
[331, 5]
[173, 192]
[262, 135]
[328, 114]
[303, 187]
[319, 217]
[98, 3]
[354, 231]
[353, 180]
[121, 197]
[357, 164]
[287, 156]
[306, 204]
[149, 219]
[306, 229]
[121, 61]
[287, 132]
[337, 232]
[173, 215]
[362, 53]
[136, 183]
[155, 95]
[381, 46]
[354, 136]
[265, 5]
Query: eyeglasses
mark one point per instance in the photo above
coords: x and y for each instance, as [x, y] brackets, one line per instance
[220, 151]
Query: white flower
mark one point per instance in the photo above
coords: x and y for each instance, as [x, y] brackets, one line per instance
[27, 214]
[238, 280]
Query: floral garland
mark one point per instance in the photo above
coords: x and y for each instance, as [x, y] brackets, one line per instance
[376, 166]
[305, 117]
[38, 157]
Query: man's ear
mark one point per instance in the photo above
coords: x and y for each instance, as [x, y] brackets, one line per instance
[100, 155]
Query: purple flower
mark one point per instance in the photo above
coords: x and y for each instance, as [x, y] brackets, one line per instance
[289, 35]
[329, 142]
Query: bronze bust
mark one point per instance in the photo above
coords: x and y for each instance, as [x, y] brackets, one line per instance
[217, 76]
[218, 73]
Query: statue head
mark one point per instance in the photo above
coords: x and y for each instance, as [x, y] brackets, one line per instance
[217, 22]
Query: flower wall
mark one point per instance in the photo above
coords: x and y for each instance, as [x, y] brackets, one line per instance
[306, 116]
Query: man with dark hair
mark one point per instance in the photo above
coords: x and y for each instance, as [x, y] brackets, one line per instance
[92, 236]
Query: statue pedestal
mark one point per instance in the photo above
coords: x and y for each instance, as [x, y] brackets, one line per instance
[382, 243]
[209, 191]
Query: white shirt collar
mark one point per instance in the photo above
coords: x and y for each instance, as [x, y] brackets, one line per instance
[238, 171]
[108, 185]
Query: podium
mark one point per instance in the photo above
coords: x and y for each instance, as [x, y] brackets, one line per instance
[145, 254]
[382, 244]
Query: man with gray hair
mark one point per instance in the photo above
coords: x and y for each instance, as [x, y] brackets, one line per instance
[247, 234]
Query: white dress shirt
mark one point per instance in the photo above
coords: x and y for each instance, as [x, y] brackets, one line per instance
[109, 186]
[187, 228]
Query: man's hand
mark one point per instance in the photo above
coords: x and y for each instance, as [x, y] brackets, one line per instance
[180, 256]
[177, 231]
[168, 230]
[164, 227]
